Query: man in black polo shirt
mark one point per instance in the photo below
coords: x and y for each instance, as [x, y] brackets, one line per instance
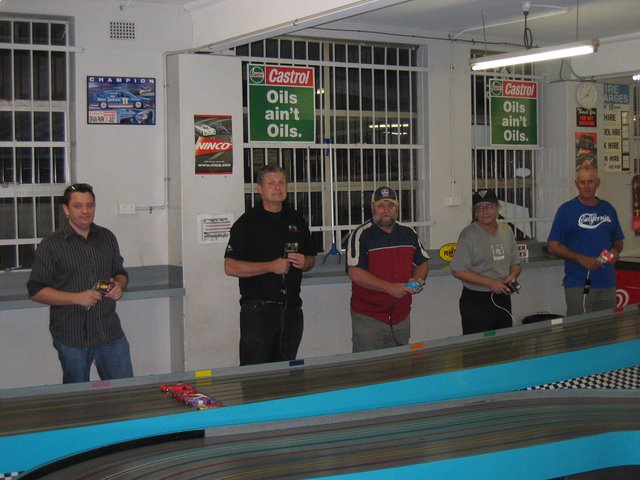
[83, 320]
[269, 248]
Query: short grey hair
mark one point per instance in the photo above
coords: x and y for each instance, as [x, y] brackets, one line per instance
[269, 169]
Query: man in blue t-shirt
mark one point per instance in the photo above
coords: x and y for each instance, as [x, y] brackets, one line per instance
[582, 228]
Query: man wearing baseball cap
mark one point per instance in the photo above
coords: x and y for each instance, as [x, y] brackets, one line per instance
[387, 264]
[487, 263]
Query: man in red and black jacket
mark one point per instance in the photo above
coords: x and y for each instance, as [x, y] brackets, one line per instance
[387, 264]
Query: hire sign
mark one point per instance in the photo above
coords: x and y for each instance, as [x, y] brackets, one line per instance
[281, 103]
[514, 112]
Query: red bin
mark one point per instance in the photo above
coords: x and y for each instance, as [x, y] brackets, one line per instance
[627, 282]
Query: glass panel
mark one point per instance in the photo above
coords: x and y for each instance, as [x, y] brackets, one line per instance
[23, 126]
[24, 168]
[340, 52]
[300, 50]
[6, 126]
[7, 218]
[21, 32]
[392, 57]
[314, 51]
[286, 49]
[7, 256]
[22, 75]
[27, 254]
[6, 165]
[43, 165]
[60, 216]
[59, 164]
[354, 89]
[340, 86]
[272, 48]
[41, 75]
[58, 76]
[40, 33]
[392, 91]
[57, 126]
[58, 34]
[25, 218]
[5, 31]
[44, 216]
[42, 129]
[6, 76]
[257, 49]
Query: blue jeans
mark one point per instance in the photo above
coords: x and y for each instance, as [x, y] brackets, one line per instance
[113, 360]
[269, 332]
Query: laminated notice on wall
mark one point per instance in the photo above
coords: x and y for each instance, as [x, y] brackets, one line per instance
[214, 228]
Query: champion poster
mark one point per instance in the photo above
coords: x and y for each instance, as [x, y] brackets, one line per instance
[213, 144]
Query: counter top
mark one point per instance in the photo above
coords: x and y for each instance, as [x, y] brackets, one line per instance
[155, 281]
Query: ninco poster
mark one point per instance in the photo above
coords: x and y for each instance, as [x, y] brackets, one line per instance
[113, 100]
[214, 144]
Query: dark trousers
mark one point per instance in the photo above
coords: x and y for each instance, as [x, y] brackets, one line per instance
[479, 314]
[269, 332]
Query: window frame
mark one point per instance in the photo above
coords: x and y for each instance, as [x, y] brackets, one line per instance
[40, 133]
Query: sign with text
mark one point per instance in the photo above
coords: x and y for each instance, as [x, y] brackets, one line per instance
[213, 144]
[514, 112]
[586, 117]
[612, 141]
[115, 100]
[281, 103]
[586, 149]
[616, 94]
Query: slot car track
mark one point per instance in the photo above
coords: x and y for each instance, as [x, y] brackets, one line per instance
[87, 407]
[408, 442]
[78, 417]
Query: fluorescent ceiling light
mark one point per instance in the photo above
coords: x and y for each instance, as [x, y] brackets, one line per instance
[535, 55]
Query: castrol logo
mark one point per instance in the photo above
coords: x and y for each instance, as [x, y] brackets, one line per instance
[256, 74]
[290, 76]
[520, 89]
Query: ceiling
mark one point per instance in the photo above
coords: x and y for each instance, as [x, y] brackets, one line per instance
[551, 22]
[558, 21]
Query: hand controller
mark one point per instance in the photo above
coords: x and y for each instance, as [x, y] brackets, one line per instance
[513, 286]
[414, 284]
[606, 256]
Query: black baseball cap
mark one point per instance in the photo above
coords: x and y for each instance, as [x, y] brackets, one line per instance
[484, 196]
[384, 193]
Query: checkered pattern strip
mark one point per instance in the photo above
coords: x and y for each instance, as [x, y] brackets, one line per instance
[624, 378]
[9, 475]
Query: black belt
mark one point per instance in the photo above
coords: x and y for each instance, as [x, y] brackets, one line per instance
[260, 302]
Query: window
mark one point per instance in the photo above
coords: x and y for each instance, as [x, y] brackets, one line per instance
[367, 133]
[34, 133]
[510, 171]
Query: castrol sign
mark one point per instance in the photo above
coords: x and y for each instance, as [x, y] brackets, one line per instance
[514, 112]
[281, 103]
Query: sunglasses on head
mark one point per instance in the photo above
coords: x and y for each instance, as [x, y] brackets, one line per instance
[79, 187]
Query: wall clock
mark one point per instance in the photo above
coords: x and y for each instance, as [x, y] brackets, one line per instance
[587, 95]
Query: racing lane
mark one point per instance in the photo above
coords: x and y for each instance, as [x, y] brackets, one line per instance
[519, 435]
[61, 420]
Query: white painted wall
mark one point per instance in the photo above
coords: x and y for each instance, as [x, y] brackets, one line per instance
[126, 164]
[27, 356]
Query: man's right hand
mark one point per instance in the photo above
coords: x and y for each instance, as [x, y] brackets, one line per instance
[88, 298]
[398, 290]
[280, 266]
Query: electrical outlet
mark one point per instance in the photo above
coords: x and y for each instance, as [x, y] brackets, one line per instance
[452, 201]
[127, 208]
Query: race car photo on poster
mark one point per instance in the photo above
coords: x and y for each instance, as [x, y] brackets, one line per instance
[213, 144]
[114, 100]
